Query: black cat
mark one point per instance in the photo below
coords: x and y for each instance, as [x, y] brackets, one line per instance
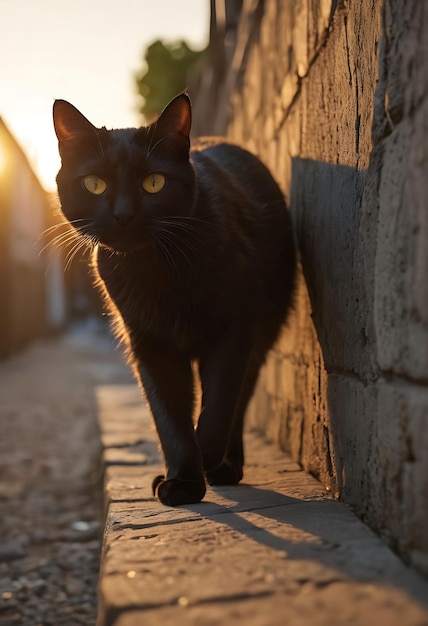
[194, 253]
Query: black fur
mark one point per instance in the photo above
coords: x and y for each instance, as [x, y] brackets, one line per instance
[201, 271]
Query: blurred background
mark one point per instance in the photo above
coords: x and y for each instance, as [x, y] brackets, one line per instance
[119, 63]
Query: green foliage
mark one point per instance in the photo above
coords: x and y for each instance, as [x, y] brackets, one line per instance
[168, 65]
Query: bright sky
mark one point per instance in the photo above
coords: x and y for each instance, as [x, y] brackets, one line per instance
[84, 51]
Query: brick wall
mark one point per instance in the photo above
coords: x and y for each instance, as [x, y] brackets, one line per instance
[333, 96]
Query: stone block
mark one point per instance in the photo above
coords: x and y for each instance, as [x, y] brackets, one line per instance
[399, 454]
[401, 286]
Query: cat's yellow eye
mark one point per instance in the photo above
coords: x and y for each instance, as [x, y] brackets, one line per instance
[154, 183]
[95, 185]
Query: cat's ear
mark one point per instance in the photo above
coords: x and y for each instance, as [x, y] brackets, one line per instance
[69, 123]
[176, 118]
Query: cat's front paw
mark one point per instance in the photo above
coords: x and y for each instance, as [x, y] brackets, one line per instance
[226, 473]
[175, 491]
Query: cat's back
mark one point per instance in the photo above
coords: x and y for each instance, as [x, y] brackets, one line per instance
[244, 197]
[215, 157]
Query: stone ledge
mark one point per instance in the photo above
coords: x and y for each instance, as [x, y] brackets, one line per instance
[271, 551]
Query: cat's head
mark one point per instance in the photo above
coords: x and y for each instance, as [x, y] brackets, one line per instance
[118, 187]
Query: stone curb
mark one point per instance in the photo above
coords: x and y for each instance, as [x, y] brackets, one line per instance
[275, 550]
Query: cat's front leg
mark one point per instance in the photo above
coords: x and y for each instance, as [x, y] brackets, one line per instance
[167, 379]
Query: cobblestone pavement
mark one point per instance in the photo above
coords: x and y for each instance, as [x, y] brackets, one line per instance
[50, 487]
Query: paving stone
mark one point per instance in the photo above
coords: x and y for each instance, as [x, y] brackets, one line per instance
[273, 550]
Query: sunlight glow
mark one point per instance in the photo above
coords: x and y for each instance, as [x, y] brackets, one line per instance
[96, 76]
[44, 157]
[2, 158]
[37, 139]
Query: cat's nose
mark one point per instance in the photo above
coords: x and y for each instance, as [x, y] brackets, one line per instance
[123, 212]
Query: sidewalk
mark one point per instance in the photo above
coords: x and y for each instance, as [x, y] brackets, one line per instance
[273, 551]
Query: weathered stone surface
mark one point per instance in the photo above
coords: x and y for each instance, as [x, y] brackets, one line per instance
[120, 432]
[276, 609]
[399, 454]
[275, 549]
[333, 96]
[401, 285]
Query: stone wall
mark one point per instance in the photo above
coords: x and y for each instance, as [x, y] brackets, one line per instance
[333, 96]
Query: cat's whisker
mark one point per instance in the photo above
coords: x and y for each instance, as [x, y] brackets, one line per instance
[168, 257]
[63, 239]
[78, 230]
[151, 135]
[189, 228]
[155, 146]
[70, 232]
[49, 237]
[183, 241]
[63, 246]
[81, 244]
[60, 242]
[66, 243]
[66, 225]
[73, 239]
[168, 238]
[70, 256]
[53, 228]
